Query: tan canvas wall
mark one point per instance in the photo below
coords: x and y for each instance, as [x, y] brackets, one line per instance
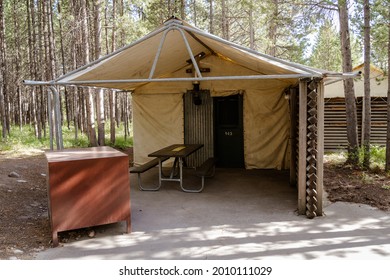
[267, 130]
[158, 122]
[158, 115]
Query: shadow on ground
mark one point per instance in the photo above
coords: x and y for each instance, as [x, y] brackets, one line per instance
[241, 214]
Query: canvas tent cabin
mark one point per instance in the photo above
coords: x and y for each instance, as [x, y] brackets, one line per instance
[189, 86]
[335, 117]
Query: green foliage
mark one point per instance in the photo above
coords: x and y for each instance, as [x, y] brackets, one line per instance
[22, 140]
[377, 157]
[123, 143]
[121, 140]
[326, 52]
[70, 141]
[379, 29]
[327, 49]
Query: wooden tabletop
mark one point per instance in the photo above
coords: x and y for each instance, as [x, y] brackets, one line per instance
[82, 154]
[177, 150]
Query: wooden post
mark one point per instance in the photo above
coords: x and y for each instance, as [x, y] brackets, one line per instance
[293, 136]
[312, 149]
[302, 147]
[320, 146]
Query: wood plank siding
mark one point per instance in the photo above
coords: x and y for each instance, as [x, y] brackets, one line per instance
[336, 126]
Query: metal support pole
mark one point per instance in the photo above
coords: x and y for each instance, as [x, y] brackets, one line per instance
[190, 53]
[158, 53]
[57, 115]
[162, 80]
[50, 117]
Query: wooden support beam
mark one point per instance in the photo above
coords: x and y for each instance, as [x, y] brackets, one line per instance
[320, 146]
[311, 150]
[293, 135]
[302, 147]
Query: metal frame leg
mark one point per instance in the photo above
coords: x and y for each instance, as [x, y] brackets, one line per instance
[159, 179]
[202, 186]
[212, 173]
[142, 188]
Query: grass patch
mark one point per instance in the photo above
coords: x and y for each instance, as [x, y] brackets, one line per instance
[335, 158]
[24, 141]
[377, 158]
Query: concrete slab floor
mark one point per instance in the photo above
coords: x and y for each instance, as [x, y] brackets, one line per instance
[241, 214]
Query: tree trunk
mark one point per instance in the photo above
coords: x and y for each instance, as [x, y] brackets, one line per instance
[125, 111]
[273, 28]
[32, 64]
[89, 100]
[111, 100]
[3, 73]
[75, 107]
[66, 94]
[47, 65]
[195, 14]
[350, 102]
[18, 111]
[100, 116]
[51, 40]
[388, 102]
[122, 29]
[41, 103]
[367, 96]
[211, 16]
[112, 94]
[113, 33]
[251, 28]
[100, 94]
[183, 9]
[117, 109]
[106, 27]
[225, 20]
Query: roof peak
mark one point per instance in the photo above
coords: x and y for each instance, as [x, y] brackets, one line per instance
[173, 19]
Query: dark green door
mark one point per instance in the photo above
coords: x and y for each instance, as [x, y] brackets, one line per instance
[229, 140]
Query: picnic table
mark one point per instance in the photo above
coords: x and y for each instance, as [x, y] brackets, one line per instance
[180, 152]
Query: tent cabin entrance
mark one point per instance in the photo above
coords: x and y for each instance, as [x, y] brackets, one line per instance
[216, 122]
[229, 140]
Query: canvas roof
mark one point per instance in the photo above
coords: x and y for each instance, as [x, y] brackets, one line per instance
[175, 46]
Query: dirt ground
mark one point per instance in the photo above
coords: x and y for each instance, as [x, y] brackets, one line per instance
[24, 222]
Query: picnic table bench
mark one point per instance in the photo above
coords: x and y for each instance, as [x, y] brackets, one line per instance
[145, 167]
